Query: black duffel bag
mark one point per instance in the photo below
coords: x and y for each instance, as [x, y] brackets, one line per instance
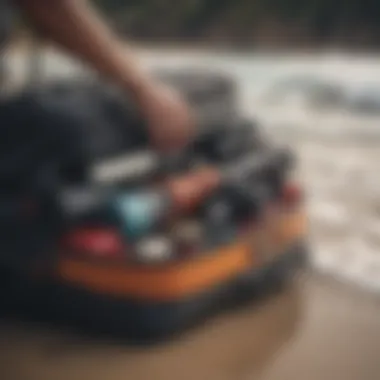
[51, 136]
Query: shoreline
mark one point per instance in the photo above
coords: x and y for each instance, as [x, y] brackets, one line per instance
[24, 42]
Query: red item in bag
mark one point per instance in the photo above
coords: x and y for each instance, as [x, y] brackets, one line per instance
[95, 242]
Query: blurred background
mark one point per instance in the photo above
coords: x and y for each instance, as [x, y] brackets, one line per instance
[309, 73]
[246, 24]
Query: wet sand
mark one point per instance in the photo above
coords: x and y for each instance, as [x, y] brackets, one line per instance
[315, 330]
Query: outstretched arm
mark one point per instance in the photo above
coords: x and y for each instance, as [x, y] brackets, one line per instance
[76, 26]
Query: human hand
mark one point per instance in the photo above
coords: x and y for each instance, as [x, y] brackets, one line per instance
[170, 120]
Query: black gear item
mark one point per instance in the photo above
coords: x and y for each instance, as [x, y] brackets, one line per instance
[40, 149]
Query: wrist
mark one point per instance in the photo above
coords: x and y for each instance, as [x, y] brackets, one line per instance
[138, 85]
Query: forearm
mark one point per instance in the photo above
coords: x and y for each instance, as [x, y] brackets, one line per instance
[75, 26]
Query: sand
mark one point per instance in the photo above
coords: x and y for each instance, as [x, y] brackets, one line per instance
[316, 330]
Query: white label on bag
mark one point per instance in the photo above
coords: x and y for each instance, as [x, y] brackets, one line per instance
[124, 168]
